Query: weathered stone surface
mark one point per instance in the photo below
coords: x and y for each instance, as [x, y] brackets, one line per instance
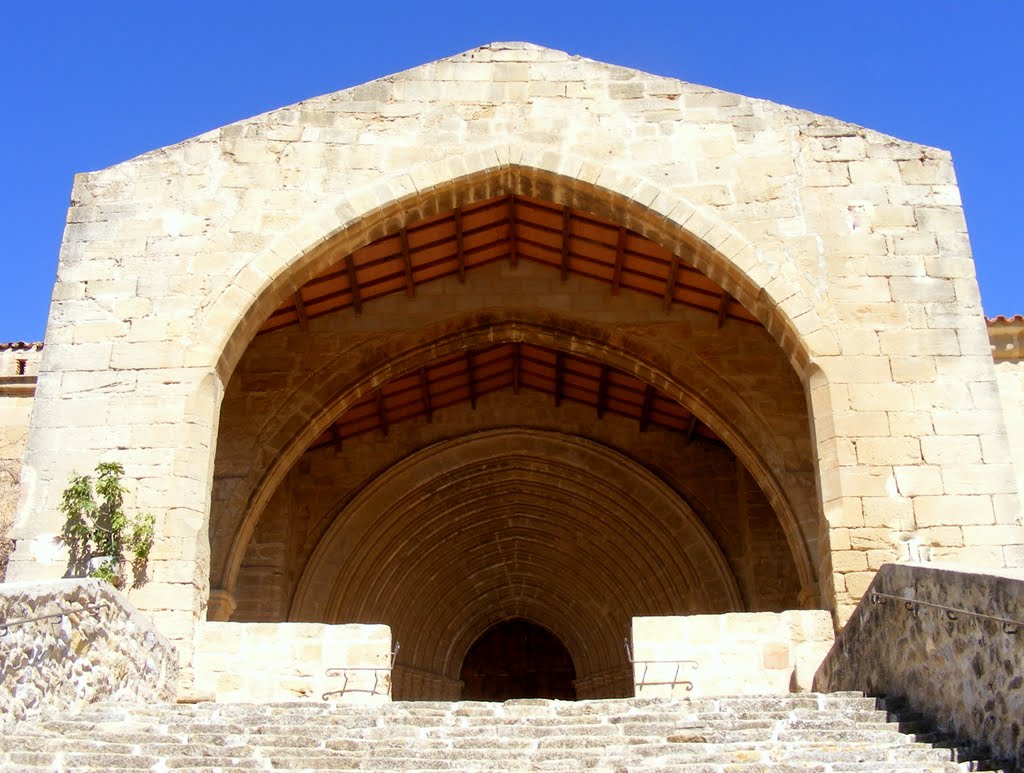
[269, 662]
[111, 652]
[752, 653]
[958, 663]
[751, 734]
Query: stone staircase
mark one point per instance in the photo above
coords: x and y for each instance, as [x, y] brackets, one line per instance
[808, 732]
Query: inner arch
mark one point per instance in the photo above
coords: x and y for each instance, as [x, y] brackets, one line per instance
[711, 403]
[513, 523]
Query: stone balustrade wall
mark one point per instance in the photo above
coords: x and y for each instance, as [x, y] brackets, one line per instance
[741, 653]
[262, 662]
[109, 653]
[966, 673]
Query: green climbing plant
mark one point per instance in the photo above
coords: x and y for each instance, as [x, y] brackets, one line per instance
[96, 526]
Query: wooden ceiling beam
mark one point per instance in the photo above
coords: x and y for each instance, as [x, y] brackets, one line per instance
[670, 283]
[460, 250]
[602, 390]
[382, 414]
[410, 283]
[566, 222]
[504, 223]
[300, 311]
[646, 407]
[516, 370]
[559, 375]
[471, 379]
[353, 285]
[620, 257]
[513, 234]
[590, 385]
[723, 308]
[425, 395]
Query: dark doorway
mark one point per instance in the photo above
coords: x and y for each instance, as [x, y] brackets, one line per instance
[517, 659]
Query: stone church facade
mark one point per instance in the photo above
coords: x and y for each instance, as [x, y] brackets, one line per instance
[520, 336]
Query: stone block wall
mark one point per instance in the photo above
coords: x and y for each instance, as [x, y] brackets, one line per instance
[109, 653]
[1007, 338]
[734, 654]
[953, 662]
[19, 359]
[265, 662]
[19, 366]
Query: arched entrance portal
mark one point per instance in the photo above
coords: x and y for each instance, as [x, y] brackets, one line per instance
[515, 409]
[508, 523]
[517, 659]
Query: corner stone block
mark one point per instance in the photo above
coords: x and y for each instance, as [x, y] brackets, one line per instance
[293, 659]
[737, 654]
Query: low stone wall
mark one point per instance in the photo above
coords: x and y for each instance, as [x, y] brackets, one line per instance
[743, 653]
[265, 662]
[110, 653]
[966, 673]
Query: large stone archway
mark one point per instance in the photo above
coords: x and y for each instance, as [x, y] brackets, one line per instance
[339, 349]
[845, 362]
[766, 450]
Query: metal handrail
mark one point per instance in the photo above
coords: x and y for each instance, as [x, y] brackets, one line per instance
[89, 608]
[686, 683]
[343, 672]
[1011, 627]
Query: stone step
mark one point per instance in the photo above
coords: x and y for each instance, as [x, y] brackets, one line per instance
[739, 734]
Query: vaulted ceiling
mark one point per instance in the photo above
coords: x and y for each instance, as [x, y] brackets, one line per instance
[467, 376]
[509, 228]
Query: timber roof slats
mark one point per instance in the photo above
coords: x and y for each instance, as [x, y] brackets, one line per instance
[513, 249]
[467, 376]
[513, 228]
[460, 245]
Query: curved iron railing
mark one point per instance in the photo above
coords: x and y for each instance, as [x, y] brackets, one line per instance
[1010, 626]
[675, 680]
[64, 612]
[344, 672]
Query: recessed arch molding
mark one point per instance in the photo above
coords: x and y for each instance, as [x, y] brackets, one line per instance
[513, 523]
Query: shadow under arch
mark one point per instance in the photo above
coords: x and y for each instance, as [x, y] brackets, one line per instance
[556, 333]
[517, 658]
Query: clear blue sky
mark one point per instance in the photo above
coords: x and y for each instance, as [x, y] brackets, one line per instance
[90, 84]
